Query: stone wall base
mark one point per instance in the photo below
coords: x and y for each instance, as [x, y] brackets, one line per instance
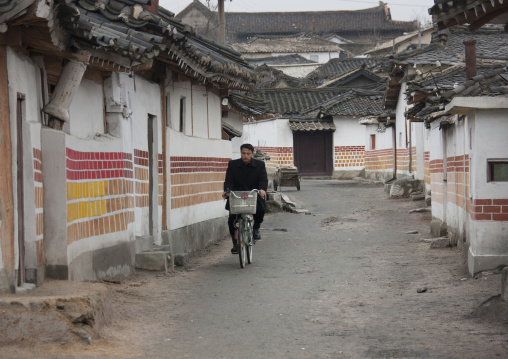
[114, 261]
[196, 236]
[348, 174]
[438, 228]
[479, 263]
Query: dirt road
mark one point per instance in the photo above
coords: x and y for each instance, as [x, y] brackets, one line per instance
[340, 283]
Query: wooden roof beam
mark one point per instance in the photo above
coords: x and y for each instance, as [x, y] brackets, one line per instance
[501, 10]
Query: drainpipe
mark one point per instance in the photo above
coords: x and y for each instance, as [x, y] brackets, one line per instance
[66, 88]
[470, 58]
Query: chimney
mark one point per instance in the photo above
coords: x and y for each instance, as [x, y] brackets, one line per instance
[153, 7]
[470, 58]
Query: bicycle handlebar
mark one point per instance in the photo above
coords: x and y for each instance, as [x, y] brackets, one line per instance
[229, 192]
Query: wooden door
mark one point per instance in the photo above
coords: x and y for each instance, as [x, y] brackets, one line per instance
[313, 153]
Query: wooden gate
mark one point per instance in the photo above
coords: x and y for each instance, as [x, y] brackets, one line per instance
[313, 153]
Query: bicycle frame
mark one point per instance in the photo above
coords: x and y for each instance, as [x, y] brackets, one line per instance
[244, 231]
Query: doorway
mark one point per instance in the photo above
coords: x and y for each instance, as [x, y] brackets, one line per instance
[313, 152]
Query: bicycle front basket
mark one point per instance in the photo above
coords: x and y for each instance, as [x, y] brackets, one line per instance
[243, 202]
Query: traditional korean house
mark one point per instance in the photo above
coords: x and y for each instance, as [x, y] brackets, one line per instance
[314, 129]
[357, 30]
[114, 111]
[454, 91]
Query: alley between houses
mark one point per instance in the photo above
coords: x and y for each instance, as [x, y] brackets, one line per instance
[346, 281]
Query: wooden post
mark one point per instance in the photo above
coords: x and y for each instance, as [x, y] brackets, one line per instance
[222, 22]
[6, 195]
[162, 83]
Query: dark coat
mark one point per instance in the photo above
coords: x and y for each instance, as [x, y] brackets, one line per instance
[240, 177]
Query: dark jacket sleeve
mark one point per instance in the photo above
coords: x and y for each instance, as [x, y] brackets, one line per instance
[228, 182]
[263, 178]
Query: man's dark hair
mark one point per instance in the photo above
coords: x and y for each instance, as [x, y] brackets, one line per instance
[247, 146]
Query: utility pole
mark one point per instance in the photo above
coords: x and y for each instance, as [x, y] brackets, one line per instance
[222, 22]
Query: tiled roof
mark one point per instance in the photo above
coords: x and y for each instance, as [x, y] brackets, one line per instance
[309, 103]
[345, 79]
[339, 67]
[230, 130]
[319, 22]
[247, 105]
[489, 82]
[271, 78]
[125, 27]
[358, 103]
[11, 9]
[292, 101]
[448, 47]
[293, 59]
[286, 44]
[311, 125]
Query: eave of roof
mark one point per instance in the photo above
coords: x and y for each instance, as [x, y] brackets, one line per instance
[298, 125]
[121, 29]
[476, 13]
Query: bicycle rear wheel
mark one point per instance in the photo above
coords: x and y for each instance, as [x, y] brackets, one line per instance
[242, 251]
[250, 246]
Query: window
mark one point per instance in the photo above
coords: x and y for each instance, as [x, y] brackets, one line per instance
[497, 170]
[372, 142]
[182, 114]
[314, 58]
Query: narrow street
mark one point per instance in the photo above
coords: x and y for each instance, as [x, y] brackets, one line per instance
[339, 283]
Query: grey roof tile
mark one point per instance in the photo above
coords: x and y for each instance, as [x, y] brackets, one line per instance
[297, 125]
[125, 27]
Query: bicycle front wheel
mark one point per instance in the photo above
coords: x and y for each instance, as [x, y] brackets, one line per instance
[250, 246]
[242, 250]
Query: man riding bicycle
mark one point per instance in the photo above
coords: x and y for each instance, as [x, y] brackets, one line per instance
[245, 174]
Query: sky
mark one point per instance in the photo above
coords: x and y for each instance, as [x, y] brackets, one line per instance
[405, 10]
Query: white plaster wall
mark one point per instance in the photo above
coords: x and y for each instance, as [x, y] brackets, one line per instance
[144, 99]
[383, 139]
[488, 238]
[297, 70]
[199, 112]
[418, 142]
[86, 111]
[269, 133]
[181, 145]
[436, 152]
[236, 121]
[348, 132]
[400, 118]
[214, 116]
[489, 142]
[175, 91]
[323, 57]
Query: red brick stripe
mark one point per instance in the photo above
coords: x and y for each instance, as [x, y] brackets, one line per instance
[198, 164]
[489, 210]
[98, 165]
[349, 148]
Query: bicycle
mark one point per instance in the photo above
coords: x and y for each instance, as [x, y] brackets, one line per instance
[243, 204]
